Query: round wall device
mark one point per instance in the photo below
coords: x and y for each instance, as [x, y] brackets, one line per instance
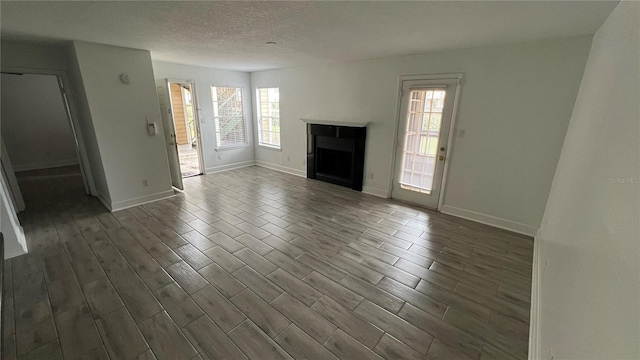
[125, 78]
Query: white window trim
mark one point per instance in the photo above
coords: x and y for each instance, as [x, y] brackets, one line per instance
[270, 147]
[260, 144]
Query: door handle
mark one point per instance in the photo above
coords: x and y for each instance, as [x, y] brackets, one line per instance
[441, 158]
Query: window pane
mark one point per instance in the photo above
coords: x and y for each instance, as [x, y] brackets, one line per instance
[421, 141]
[268, 116]
[228, 115]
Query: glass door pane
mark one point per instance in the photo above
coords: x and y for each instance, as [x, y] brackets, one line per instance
[422, 138]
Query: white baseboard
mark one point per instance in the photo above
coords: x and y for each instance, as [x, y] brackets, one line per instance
[45, 165]
[125, 204]
[281, 168]
[239, 165]
[534, 321]
[106, 202]
[375, 192]
[490, 220]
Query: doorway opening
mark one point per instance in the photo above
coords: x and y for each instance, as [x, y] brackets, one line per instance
[425, 119]
[185, 127]
[40, 147]
[179, 108]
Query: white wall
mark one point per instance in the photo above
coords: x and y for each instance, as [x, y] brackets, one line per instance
[589, 292]
[36, 58]
[515, 105]
[119, 114]
[35, 127]
[204, 79]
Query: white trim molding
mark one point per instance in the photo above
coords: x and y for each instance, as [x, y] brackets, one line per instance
[216, 169]
[46, 165]
[375, 191]
[490, 220]
[534, 320]
[337, 122]
[125, 204]
[281, 168]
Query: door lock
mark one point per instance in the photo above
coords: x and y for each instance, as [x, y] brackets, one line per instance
[442, 149]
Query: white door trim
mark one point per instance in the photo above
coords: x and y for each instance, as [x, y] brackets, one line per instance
[401, 79]
[72, 113]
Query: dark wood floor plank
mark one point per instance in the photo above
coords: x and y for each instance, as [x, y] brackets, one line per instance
[165, 339]
[332, 289]
[357, 327]
[260, 285]
[392, 348]
[346, 347]
[255, 343]
[211, 342]
[221, 280]
[178, 304]
[396, 326]
[120, 335]
[306, 319]
[284, 265]
[77, 332]
[295, 287]
[372, 293]
[219, 308]
[261, 313]
[302, 346]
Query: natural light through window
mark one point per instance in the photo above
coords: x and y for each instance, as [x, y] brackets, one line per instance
[228, 116]
[268, 117]
[421, 142]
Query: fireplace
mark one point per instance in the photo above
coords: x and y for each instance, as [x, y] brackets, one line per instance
[335, 154]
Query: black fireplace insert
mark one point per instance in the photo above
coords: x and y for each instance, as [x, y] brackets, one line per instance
[335, 154]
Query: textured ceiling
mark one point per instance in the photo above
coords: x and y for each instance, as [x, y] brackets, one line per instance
[232, 35]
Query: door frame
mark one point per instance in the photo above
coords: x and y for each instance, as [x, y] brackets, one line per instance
[68, 100]
[452, 126]
[196, 117]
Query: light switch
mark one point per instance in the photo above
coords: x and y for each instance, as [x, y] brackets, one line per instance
[461, 133]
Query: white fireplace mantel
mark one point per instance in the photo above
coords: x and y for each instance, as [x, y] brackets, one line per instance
[336, 123]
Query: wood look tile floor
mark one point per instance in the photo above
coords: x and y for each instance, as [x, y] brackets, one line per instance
[257, 264]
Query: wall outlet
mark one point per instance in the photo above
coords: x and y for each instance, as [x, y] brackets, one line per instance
[288, 158]
[461, 133]
[145, 182]
[304, 161]
[219, 156]
[370, 175]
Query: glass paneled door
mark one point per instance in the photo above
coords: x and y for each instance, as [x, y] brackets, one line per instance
[423, 133]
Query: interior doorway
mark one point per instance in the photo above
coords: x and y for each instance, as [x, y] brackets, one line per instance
[39, 138]
[425, 120]
[178, 105]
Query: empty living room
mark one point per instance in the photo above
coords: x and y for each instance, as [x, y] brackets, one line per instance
[262, 180]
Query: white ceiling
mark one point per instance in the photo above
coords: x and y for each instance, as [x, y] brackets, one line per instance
[232, 35]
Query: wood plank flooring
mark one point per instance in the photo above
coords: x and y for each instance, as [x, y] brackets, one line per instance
[257, 264]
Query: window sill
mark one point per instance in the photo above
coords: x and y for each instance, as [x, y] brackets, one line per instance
[272, 148]
[236, 147]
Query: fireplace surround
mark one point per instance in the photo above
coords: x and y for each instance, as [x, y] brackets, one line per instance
[335, 154]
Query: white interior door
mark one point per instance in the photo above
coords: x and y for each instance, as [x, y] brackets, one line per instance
[423, 132]
[162, 86]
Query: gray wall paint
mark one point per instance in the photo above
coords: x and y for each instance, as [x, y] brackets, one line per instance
[205, 78]
[589, 242]
[515, 105]
[119, 114]
[35, 126]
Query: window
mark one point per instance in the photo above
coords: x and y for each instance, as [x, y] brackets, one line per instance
[268, 117]
[228, 115]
